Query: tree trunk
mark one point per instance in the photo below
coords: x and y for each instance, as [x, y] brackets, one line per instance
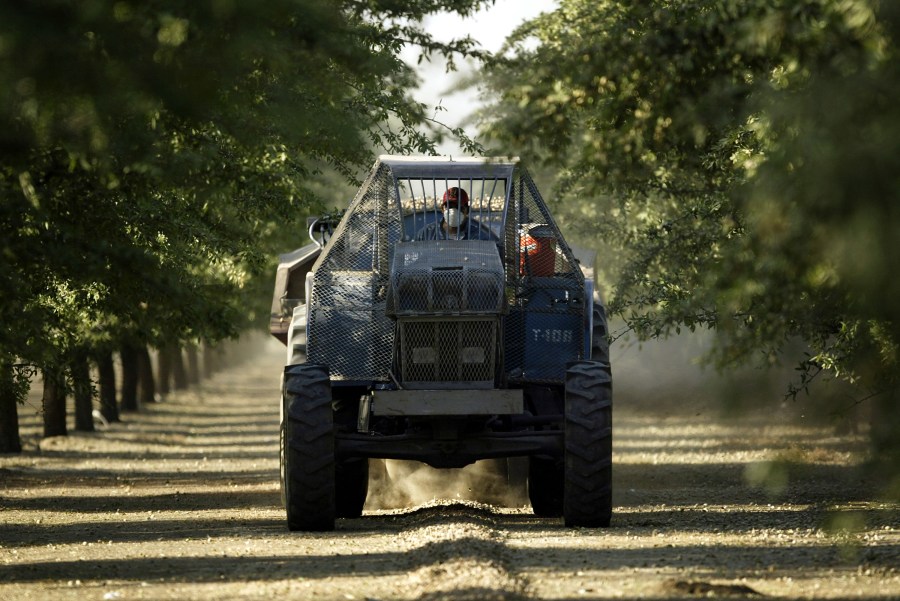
[178, 371]
[129, 400]
[54, 402]
[164, 371]
[193, 364]
[83, 392]
[106, 373]
[9, 413]
[147, 391]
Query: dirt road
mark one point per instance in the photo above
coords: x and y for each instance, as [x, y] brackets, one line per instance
[181, 501]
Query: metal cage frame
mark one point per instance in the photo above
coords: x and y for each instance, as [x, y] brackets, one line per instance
[545, 310]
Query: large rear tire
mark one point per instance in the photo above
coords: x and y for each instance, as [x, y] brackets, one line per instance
[587, 500]
[599, 340]
[308, 481]
[545, 487]
[351, 487]
[281, 453]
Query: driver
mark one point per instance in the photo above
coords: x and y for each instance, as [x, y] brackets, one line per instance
[454, 224]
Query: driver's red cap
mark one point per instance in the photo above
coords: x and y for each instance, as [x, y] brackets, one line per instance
[456, 196]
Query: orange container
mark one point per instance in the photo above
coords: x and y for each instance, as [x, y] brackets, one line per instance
[537, 252]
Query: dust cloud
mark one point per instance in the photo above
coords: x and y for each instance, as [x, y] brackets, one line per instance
[672, 376]
[397, 484]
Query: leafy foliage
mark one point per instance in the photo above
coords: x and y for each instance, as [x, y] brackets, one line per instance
[154, 156]
[737, 162]
[668, 111]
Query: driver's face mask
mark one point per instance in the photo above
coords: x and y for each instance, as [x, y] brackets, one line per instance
[453, 217]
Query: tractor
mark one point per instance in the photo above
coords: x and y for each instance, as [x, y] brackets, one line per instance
[417, 333]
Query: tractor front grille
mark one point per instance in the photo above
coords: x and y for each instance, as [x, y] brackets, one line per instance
[448, 352]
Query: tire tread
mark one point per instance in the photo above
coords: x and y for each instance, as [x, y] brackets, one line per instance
[308, 453]
[587, 500]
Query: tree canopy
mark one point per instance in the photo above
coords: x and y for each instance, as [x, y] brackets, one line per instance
[737, 159]
[154, 156]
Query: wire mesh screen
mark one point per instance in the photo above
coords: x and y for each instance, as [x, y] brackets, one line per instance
[438, 353]
[545, 326]
[349, 330]
[452, 276]
[511, 263]
[447, 297]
